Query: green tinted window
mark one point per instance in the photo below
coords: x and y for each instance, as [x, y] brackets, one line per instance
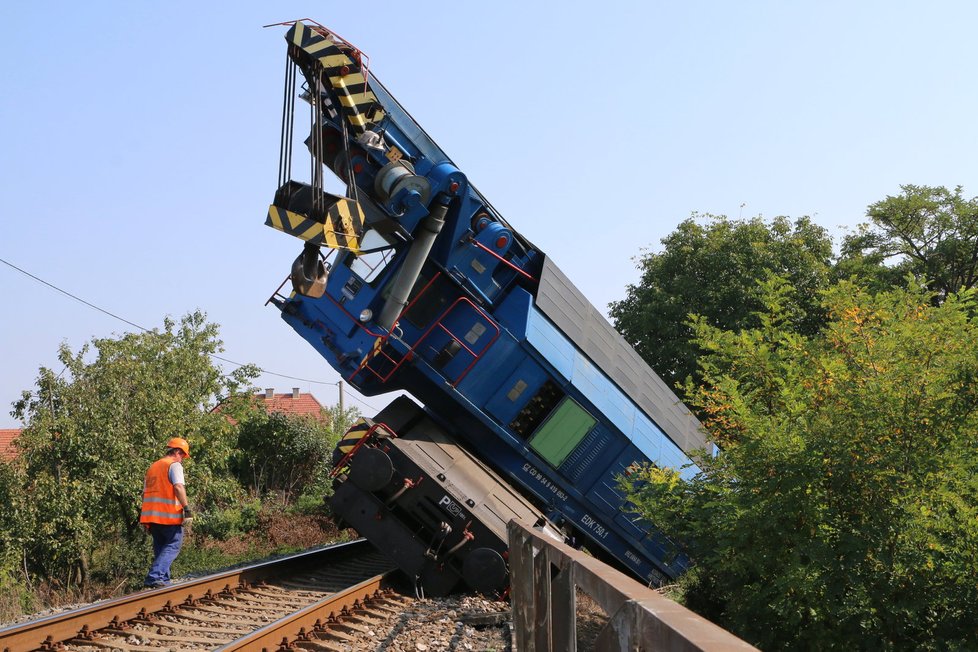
[561, 432]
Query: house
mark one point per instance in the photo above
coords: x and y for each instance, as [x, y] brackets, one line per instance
[291, 403]
[294, 402]
[7, 437]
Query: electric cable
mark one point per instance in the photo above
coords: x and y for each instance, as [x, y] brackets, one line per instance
[146, 330]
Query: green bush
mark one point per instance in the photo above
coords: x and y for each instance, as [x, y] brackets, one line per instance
[310, 504]
[225, 523]
[281, 454]
[16, 598]
[196, 558]
[121, 558]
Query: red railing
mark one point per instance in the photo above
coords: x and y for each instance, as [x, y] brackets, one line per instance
[508, 263]
[438, 323]
[346, 458]
[475, 356]
[381, 338]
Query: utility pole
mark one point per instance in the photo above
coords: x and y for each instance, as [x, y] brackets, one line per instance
[341, 398]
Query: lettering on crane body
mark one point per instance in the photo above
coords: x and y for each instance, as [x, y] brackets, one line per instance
[590, 523]
[546, 482]
[452, 507]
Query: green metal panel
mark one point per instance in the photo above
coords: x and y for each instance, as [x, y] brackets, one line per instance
[561, 432]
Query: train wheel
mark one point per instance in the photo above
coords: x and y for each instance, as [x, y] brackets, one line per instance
[371, 469]
[437, 579]
[484, 570]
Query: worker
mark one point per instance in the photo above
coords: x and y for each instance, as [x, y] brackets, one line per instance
[165, 511]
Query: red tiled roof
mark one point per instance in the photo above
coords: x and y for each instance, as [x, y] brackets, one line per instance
[7, 437]
[289, 404]
[293, 402]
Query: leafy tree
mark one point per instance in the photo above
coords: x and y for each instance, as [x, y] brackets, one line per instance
[714, 269]
[14, 598]
[288, 454]
[931, 232]
[842, 510]
[93, 429]
[340, 420]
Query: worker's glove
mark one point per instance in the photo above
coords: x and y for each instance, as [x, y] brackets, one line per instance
[188, 516]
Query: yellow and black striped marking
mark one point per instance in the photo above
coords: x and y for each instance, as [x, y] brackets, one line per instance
[374, 350]
[345, 75]
[356, 432]
[342, 230]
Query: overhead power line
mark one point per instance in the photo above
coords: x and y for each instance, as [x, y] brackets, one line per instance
[69, 294]
[146, 330]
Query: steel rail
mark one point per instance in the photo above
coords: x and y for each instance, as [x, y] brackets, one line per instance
[46, 632]
[309, 620]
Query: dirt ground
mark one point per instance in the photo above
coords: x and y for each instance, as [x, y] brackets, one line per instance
[590, 621]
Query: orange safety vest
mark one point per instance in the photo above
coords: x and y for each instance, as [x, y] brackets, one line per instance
[160, 504]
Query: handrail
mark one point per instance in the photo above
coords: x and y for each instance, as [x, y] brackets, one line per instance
[508, 263]
[544, 576]
[346, 458]
[437, 323]
[382, 340]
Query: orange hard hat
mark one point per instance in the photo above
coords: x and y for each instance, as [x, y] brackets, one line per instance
[181, 443]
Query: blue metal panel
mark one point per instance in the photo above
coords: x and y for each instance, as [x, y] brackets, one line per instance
[516, 390]
[630, 527]
[649, 439]
[591, 457]
[514, 311]
[605, 495]
[482, 383]
[605, 491]
[554, 347]
[603, 394]
[607, 398]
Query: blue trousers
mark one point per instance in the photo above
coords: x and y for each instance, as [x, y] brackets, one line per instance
[167, 540]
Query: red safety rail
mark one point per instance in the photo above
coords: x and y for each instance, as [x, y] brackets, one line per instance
[346, 458]
[508, 263]
[410, 353]
[326, 264]
[365, 365]
[475, 356]
[381, 341]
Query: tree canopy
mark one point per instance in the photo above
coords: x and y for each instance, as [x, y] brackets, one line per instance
[930, 232]
[841, 511]
[713, 267]
[289, 455]
[94, 428]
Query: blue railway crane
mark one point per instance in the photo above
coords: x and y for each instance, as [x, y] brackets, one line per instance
[410, 280]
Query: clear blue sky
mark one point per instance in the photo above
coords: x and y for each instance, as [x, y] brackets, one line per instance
[140, 140]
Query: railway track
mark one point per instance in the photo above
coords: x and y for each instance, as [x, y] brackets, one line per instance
[313, 596]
